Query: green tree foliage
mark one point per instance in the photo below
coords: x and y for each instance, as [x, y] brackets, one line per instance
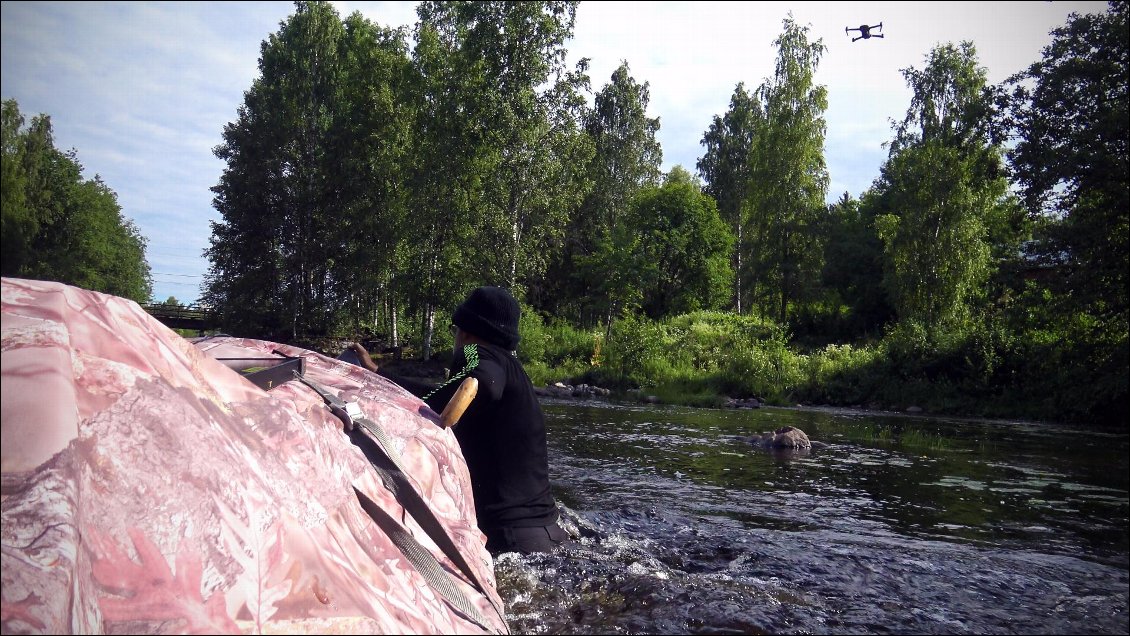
[628, 155]
[310, 199]
[682, 247]
[363, 179]
[373, 138]
[627, 158]
[19, 222]
[788, 179]
[937, 260]
[945, 197]
[668, 253]
[853, 266]
[58, 226]
[500, 146]
[449, 162]
[269, 266]
[530, 112]
[1071, 160]
[1069, 112]
[725, 169]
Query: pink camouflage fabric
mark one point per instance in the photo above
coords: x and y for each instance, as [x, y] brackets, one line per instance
[148, 488]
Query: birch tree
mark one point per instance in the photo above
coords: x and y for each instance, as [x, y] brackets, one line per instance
[272, 254]
[627, 157]
[943, 185]
[725, 168]
[502, 145]
[788, 178]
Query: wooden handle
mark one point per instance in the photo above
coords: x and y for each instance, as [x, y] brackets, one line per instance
[459, 402]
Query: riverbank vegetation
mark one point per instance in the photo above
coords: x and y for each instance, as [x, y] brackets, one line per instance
[699, 358]
[373, 177]
[56, 225]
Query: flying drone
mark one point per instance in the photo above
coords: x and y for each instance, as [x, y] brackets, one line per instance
[865, 32]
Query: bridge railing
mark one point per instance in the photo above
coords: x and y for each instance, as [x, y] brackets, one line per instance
[183, 316]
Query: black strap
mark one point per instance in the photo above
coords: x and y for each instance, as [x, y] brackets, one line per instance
[380, 452]
[423, 560]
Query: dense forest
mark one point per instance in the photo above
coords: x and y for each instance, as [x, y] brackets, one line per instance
[375, 175]
[56, 225]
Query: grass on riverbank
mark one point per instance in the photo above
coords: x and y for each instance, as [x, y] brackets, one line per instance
[701, 358]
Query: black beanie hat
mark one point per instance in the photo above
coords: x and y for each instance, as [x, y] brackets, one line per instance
[490, 313]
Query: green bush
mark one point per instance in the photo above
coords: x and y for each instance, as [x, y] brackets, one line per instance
[567, 346]
[557, 351]
[540, 374]
[766, 369]
[533, 338]
[634, 351]
[704, 341]
[1005, 365]
[843, 374]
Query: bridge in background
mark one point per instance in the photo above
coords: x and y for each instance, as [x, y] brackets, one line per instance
[184, 316]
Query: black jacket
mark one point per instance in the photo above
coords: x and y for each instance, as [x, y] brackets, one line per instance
[502, 436]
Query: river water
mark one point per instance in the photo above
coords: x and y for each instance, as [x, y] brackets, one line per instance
[899, 525]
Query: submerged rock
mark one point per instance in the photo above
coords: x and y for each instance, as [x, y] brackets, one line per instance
[743, 403]
[784, 437]
[562, 390]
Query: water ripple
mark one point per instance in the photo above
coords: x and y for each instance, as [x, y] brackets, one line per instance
[898, 526]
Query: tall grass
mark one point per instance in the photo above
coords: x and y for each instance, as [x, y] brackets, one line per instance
[702, 357]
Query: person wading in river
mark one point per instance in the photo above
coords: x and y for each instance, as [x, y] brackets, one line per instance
[502, 432]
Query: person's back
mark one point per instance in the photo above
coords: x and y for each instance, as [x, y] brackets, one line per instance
[502, 435]
[502, 432]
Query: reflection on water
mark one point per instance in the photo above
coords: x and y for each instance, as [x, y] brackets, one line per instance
[899, 525]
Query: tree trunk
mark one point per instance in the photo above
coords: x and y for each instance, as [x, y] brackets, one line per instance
[428, 326]
[515, 224]
[738, 271]
[516, 235]
[786, 278]
[392, 320]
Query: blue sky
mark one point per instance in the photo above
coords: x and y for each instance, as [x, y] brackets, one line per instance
[142, 90]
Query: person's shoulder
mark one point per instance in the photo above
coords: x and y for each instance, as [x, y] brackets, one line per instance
[491, 366]
[493, 357]
[486, 352]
